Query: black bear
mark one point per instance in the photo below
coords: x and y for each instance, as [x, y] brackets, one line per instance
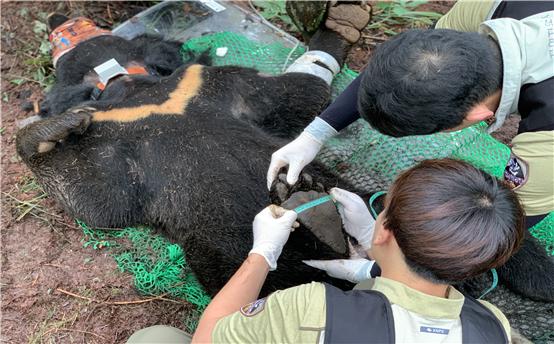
[183, 149]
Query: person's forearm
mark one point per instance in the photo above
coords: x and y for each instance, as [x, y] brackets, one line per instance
[344, 110]
[242, 288]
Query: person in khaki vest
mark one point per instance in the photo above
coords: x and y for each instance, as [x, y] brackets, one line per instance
[483, 61]
[444, 221]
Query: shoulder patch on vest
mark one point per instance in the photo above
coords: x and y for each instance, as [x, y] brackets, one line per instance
[253, 308]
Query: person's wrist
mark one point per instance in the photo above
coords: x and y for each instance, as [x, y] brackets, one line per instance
[365, 272]
[365, 243]
[366, 239]
[311, 138]
[257, 259]
[320, 131]
[269, 252]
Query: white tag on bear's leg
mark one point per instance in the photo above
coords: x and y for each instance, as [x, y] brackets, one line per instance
[307, 64]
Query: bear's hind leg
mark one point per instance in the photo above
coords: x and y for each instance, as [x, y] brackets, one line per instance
[210, 258]
[530, 271]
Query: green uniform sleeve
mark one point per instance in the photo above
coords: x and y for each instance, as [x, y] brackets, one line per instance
[294, 315]
[500, 316]
[466, 15]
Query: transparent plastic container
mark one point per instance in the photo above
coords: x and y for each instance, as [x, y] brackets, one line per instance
[182, 20]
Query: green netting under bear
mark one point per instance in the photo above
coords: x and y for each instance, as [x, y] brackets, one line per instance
[366, 158]
[267, 58]
[544, 232]
[159, 267]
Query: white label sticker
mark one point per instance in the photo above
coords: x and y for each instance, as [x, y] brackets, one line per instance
[213, 5]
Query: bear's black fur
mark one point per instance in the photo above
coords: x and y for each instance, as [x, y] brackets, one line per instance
[76, 79]
[196, 175]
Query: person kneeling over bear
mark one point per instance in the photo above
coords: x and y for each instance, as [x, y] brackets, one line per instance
[444, 222]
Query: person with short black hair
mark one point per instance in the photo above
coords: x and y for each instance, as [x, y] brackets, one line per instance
[500, 60]
[425, 81]
[444, 221]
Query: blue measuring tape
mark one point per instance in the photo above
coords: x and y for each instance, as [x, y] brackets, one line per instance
[312, 204]
[494, 283]
[372, 199]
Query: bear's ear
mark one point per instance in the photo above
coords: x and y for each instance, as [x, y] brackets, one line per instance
[55, 20]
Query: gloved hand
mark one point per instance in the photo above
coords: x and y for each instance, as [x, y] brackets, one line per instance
[356, 218]
[272, 227]
[353, 270]
[297, 154]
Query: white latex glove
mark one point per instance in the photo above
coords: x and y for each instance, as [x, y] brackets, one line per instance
[353, 270]
[272, 227]
[356, 218]
[297, 154]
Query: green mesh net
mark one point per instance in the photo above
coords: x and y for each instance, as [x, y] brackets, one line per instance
[270, 59]
[366, 158]
[159, 267]
[267, 58]
[544, 232]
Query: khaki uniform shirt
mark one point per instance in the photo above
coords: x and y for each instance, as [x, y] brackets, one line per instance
[297, 315]
[528, 58]
[526, 55]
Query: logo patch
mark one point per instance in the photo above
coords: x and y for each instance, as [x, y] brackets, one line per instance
[434, 330]
[253, 308]
[514, 173]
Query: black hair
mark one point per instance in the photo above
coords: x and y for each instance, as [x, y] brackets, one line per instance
[425, 81]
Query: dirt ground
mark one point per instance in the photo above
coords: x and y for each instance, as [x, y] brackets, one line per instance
[53, 289]
[42, 253]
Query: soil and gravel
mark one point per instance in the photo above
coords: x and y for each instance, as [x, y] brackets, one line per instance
[42, 253]
[53, 289]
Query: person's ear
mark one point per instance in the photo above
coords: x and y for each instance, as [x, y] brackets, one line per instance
[382, 236]
[478, 113]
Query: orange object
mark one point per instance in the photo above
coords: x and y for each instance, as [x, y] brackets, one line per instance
[131, 70]
[137, 70]
[66, 36]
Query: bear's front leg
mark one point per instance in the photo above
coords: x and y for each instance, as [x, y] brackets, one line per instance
[41, 137]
